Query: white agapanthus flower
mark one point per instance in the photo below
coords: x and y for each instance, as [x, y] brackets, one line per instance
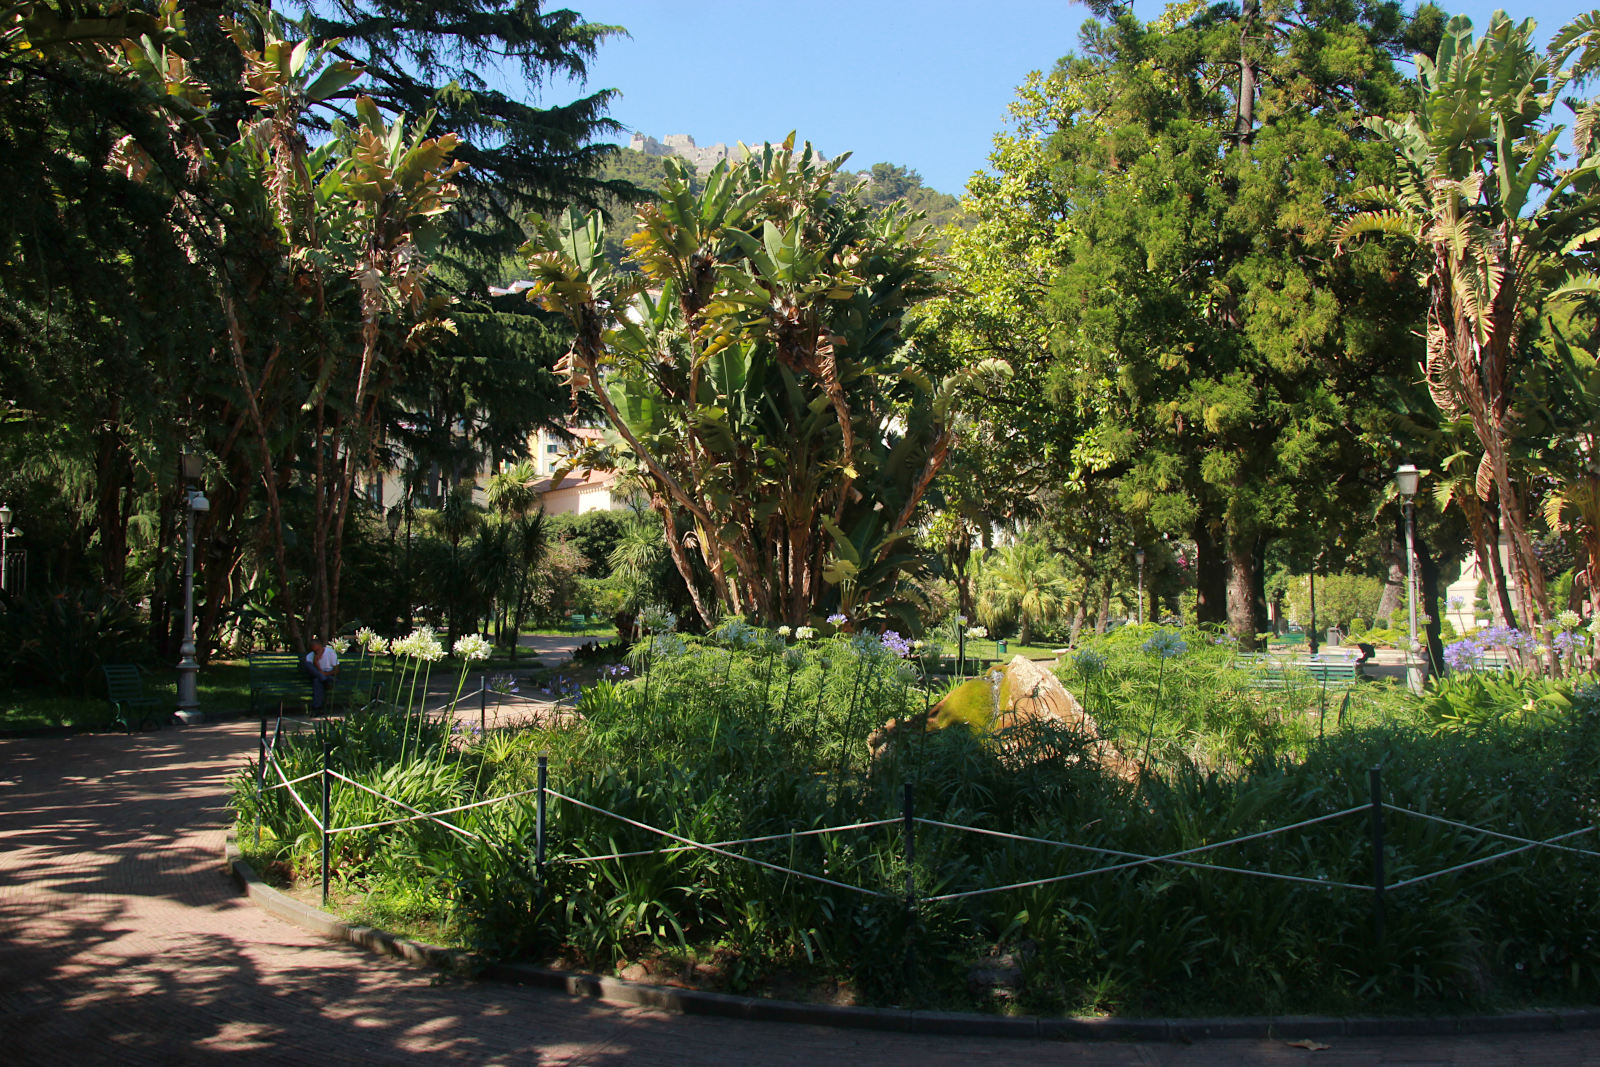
[340, 645]
[977, 633]
[368, 639]
[421, 643]
[784, 631]
[472, 646]
[1568, 620]
[805, 633]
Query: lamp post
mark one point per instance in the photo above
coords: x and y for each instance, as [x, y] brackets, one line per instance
[1138, 556]
[1405, 480]
[5, 535]
[188, 666]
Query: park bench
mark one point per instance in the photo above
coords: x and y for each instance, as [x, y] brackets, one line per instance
[1269, 673]
[276, 680]
[125, 694]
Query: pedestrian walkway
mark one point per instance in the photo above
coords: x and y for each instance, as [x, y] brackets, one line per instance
[122, 940]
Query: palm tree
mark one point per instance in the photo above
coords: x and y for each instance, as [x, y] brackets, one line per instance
[1023, 582]
[1502, 229]
[511, 493]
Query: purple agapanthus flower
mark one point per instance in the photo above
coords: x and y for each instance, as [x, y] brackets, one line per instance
[896, 644]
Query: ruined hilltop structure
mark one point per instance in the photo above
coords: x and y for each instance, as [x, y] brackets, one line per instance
[682, 145]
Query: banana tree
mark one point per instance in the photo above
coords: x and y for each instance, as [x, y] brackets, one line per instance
[1503, 230]
[759, 370]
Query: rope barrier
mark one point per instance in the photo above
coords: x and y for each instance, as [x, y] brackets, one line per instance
[1489, 859]
[714, 848]
[1494, 833]
[736, 841]
[273, 758]
[422, 815]
[295, 781]
[1137, 859]
[402, 804]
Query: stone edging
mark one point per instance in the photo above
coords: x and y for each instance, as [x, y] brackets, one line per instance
[967, 1024]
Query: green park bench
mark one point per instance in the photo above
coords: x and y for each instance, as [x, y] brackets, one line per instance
[577, 621]
[276, 680]
[1269, 673]
[129, 703]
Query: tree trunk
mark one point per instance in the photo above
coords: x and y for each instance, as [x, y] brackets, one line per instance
[1211, 577]
[111, 483]
[1394, 583]
[1428, 578]
[1103, 618]
[1242, 591]
[1245, 124]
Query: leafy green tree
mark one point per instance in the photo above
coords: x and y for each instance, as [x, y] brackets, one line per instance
[764, 382]
[1206, 351]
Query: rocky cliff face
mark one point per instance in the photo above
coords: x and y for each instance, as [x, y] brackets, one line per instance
[682, 145]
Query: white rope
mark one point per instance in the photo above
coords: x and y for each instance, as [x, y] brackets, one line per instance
[736, 841]
[402, 804]
[294, 781]
[423, 815]
[1489, 859]
[1139, 860]
[1140, 855]
[1492, 833]
[713, 848]
[297, 799]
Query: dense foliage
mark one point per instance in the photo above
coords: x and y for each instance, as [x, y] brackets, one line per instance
[753, 735]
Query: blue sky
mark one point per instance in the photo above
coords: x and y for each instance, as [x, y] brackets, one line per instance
[921, 84]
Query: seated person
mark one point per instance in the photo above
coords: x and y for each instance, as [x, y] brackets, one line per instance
[322, 664]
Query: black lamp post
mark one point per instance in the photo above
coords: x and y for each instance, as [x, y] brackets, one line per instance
[5, 535]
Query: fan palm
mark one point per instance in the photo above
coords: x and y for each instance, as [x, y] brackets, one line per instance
[1022, 582]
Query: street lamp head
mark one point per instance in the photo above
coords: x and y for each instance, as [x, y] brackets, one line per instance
[1139, 557]
[5, 514]
[1405, 480]
[198, 501]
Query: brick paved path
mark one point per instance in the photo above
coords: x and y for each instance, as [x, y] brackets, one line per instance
[123, 941]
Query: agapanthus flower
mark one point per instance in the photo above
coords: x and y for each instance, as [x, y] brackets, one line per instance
[784, 631]
[472, 647]
[1568, 620]
[1567, 642]
[340, 645]
[793, 658]
[1089, 662]
[896, 644]
[805, 633]
[977, 633]
[1166, 644]
[657, 619]
[837, 619]
[422, 643]
[1462, 655]
[961, 620]
[736, 633]
[668, 644]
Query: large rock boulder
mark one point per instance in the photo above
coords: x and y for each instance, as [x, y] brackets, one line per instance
[1013, 696]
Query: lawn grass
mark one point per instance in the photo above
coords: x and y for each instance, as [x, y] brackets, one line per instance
[223, 688]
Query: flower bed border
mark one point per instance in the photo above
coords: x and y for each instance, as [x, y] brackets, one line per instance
[901, 1020]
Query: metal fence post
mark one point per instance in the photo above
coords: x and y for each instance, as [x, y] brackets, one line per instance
[1375, 780]
[261, 774]
[538, 826]
[483, 708]
[327, 787]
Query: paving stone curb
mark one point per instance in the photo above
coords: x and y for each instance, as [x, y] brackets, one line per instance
[902, 1020]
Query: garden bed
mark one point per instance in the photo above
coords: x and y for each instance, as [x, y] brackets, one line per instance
[756, 737]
